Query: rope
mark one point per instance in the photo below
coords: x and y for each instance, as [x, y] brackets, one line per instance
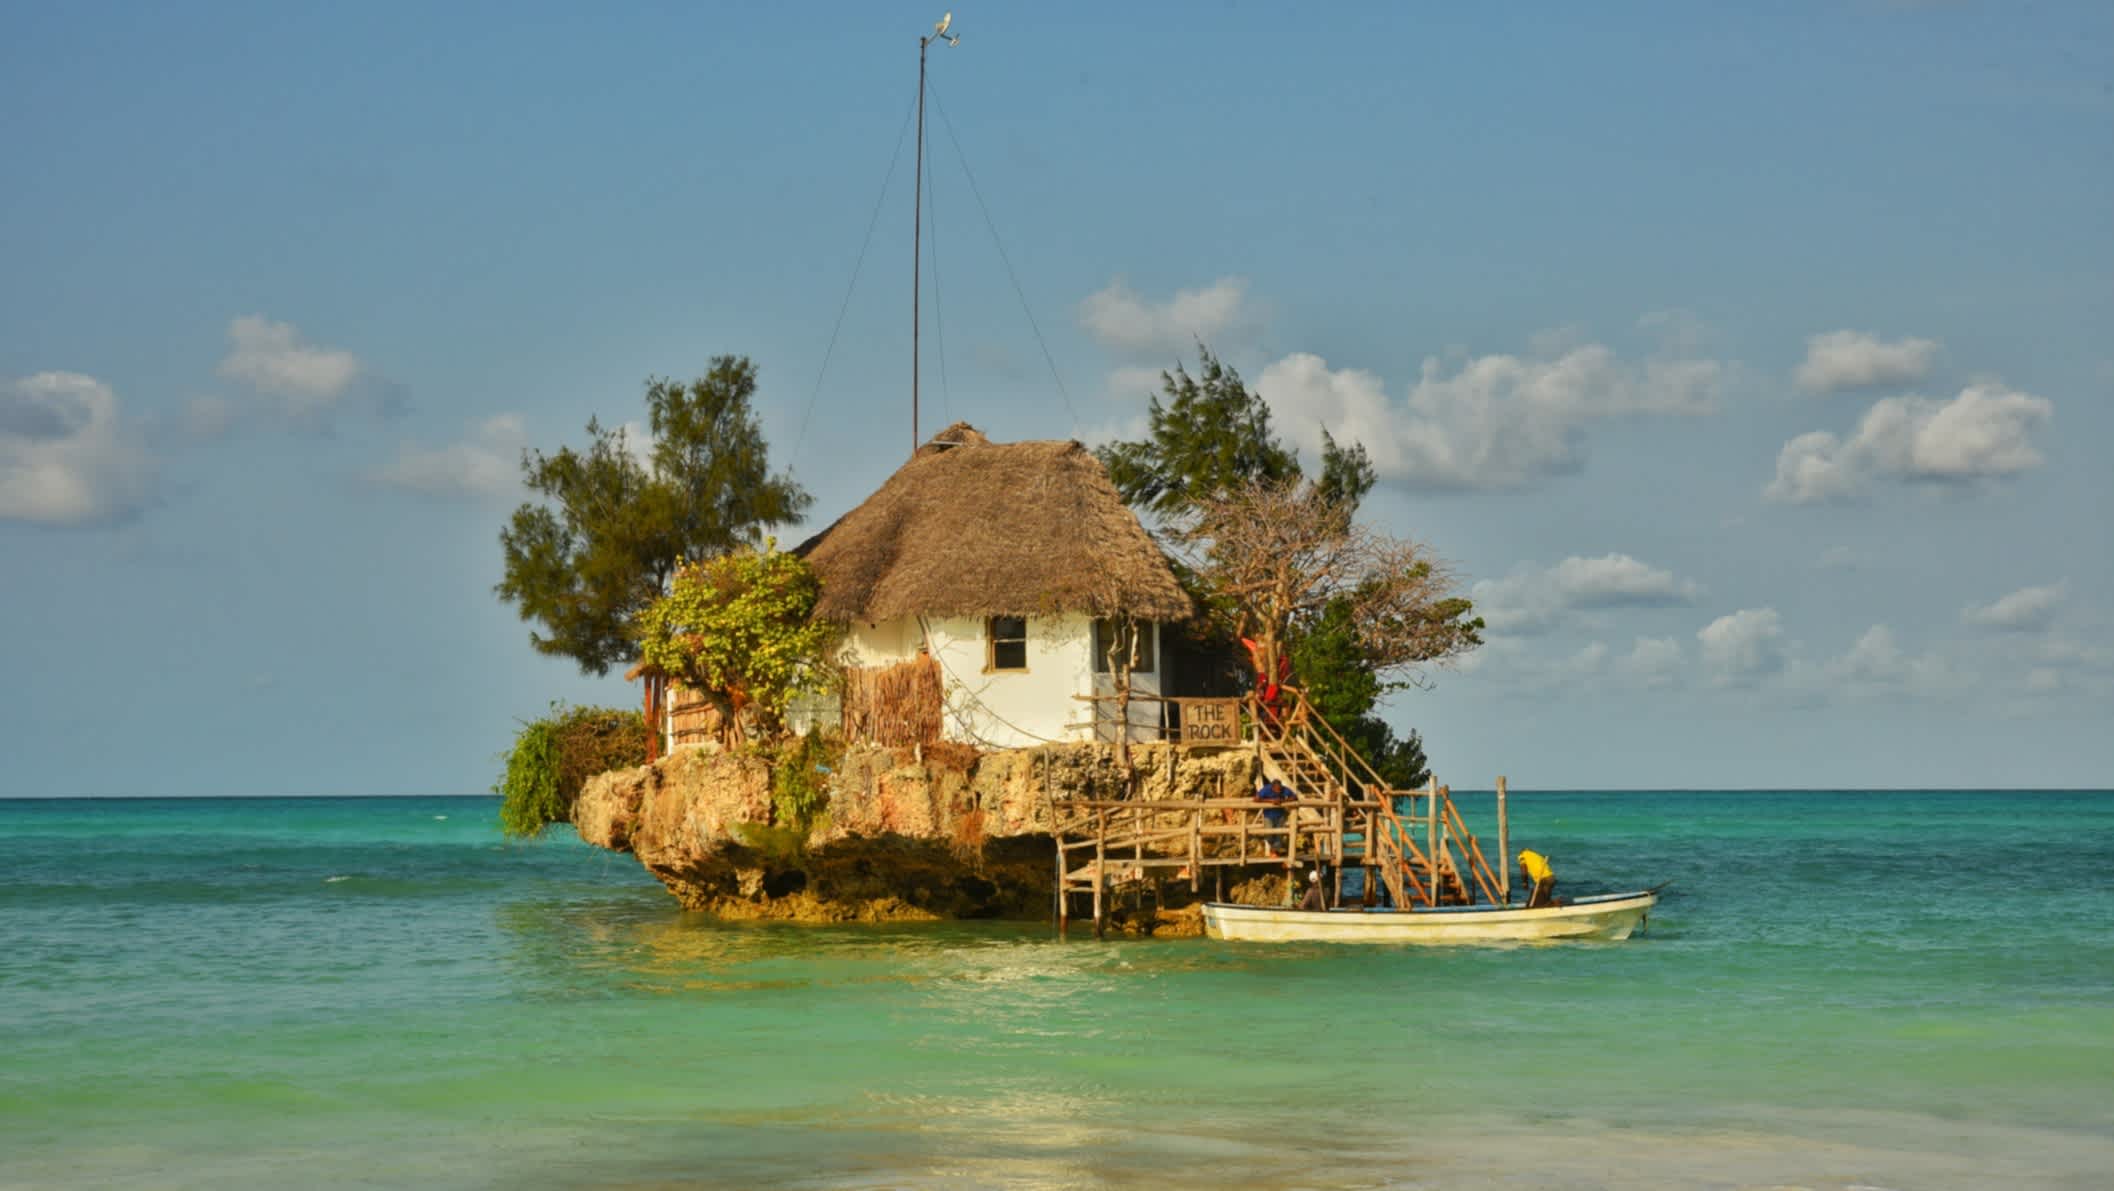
[1011, 276]
[872, 222]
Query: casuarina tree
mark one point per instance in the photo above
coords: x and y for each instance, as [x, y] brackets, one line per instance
[615, 518]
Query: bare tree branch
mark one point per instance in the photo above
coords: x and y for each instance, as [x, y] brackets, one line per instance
[1279, 553]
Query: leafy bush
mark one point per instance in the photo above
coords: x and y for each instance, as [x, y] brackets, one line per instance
[800, 781]
[739, 627]
[553, 757]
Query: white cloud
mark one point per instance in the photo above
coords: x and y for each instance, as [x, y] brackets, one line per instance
[1813, 468]
[1743, 646]
[1843, 360]
[1494, 422]
[1120, 319]
[2026, 610]
[2042, 680]
[1985, 432]
[1129, 428]
[1133, 384]
[67, 455]
[1617, 579]
[2064, 651]
[485, 464]
[2054, 662]
[1653, 661]
[1875, 666]
[1524, 672]
[1532, 600]
[272, 358]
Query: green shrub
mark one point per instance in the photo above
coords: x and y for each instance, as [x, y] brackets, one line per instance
[740, 627]
[553, 757]
[800, 781]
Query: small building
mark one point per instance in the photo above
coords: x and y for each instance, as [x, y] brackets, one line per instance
[987, 585]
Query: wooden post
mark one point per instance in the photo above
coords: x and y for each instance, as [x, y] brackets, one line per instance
[1504, 844]
[1100, 868]
[1372, 831]
[1062, 917]
[1138, 857]
[1337, 889]
[1431, 833]
[1446, 847]
[1196, 849]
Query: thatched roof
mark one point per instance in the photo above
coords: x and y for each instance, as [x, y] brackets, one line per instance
[970, 527]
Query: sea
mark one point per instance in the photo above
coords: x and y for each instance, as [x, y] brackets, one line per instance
[1842, 990]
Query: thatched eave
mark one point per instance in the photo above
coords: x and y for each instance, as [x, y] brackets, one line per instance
[969, 527]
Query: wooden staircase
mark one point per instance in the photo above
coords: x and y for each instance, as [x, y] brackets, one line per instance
[1343, 816]
[1307, 753]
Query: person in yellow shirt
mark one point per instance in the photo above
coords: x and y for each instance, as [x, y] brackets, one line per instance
[1539, 878]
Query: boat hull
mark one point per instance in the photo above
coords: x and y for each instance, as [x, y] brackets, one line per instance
[1609, 916]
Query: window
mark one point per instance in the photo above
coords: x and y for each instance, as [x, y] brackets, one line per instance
[1008, 636]
[1113, 637]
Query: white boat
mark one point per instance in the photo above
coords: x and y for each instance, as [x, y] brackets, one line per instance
[1605, 916]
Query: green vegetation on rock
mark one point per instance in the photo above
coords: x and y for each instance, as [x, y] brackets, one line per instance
[739, 629]
[800, 780]
[554, 756]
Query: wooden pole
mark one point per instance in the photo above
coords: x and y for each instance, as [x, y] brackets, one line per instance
[1337, 889]
[1372, 830]
[1431, 833]
[1062, 917]
[1100, 868]
[1196, 849]
[1504, 844]
[1446, 848]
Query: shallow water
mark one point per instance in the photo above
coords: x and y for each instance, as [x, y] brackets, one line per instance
[1895, 989]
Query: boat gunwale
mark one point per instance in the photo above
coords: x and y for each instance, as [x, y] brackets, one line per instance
[1596, 903]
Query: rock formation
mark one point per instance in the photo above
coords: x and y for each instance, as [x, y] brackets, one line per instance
[940, 832]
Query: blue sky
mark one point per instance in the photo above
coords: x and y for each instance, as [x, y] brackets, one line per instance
[1753, 366]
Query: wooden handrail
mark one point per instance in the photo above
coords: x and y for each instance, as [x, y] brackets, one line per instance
[1478, 867]
[1386, 827]
[1304, 718]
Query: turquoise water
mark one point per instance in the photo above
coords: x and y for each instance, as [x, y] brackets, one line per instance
[1900, 990]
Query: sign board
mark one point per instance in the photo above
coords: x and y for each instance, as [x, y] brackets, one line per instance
[1210, 723]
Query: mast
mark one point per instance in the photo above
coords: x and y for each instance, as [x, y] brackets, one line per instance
[917, 220]
[917, 247]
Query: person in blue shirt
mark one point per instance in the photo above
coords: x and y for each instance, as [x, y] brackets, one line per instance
[1274, 793]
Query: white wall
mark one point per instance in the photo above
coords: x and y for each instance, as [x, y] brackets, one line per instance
[1009, 708]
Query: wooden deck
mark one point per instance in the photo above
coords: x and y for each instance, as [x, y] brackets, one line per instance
[1412, 843]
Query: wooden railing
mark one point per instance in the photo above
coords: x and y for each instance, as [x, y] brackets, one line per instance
[1344, 814]
[1299, 738]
